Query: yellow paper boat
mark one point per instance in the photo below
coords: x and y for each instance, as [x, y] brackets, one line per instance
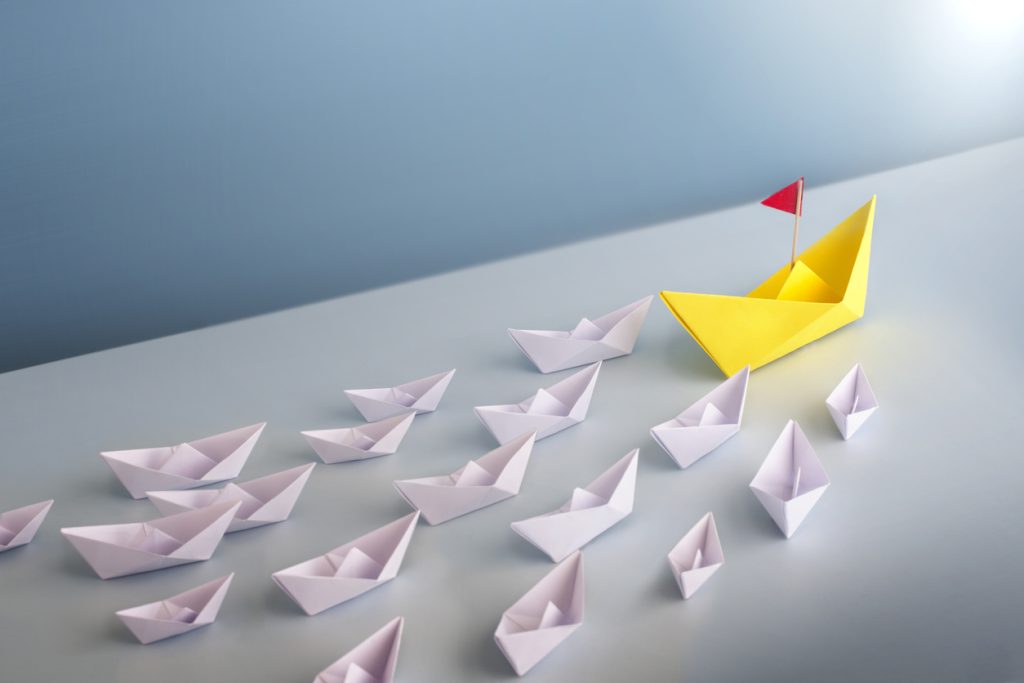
[824, 291]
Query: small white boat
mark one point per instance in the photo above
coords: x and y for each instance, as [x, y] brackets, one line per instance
[19, 526]
[370, 440]
[609, 336]
[697, 556]
[791, 479]
[491, 478]
[544, 617]
[177, 614]
[852, 402]
[350, 570]
[706, 424]
[114, 550]
[372, 661]
[420, 396]
[266, 500]
[590, 512]
[547, 412]
[188, 465]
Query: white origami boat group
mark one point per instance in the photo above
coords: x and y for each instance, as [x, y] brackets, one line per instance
[788, 484]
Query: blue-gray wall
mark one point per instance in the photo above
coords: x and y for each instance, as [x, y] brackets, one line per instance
[169, 165]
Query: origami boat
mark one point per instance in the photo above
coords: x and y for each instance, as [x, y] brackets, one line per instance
[590, 512]
[178, 614]
[266, 500]
[371, 440]
[539, 621]
[791, 479]
[372, 661]
[19, 526]
[114, 550]
[420, 396]
[609, 336]
[705, 425]
[185, 466]
[696, 556]
[489, 479]
[852, 402]
[824, 291]
[349, 570]
[547, 412]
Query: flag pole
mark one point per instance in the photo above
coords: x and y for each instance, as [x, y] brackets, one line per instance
[796, 222]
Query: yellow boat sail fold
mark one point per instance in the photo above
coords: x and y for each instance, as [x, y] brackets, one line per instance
[822, 292]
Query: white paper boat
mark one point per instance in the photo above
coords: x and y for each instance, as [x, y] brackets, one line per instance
[609, 336]
[707, 424]
[489, 479]
[19, 526]
[185, 466]
[852, 402]
[697, 556]
[178, 614]
[372, 661]
[371, 440]
[590, 511]
[349, 570]
[540, 620]
[120, 549]
[263, 501]
[547, 412]
[420, 396]
[791, 479]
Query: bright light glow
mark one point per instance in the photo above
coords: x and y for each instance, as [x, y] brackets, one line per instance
[993, 18]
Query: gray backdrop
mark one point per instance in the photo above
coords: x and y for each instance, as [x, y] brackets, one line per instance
[909, 569]
[168, 165]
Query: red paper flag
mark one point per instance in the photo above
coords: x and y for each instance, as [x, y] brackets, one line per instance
[789, 199]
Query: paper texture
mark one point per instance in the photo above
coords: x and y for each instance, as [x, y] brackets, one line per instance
[705, 425]
[824, 291]
[19, 526]
[371, 440]
[588, 513]
[609, 336]
[547, 412]
[262, 501]
[185, 466]
[349, 570]
[372, 661]
[852, 402]
[696, 556]
[539, 621]
[114, 550]
[791, 479]
[178, 614]
[485, 481]
[419, 396]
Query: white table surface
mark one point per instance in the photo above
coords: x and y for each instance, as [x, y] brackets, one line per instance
[910, 568]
